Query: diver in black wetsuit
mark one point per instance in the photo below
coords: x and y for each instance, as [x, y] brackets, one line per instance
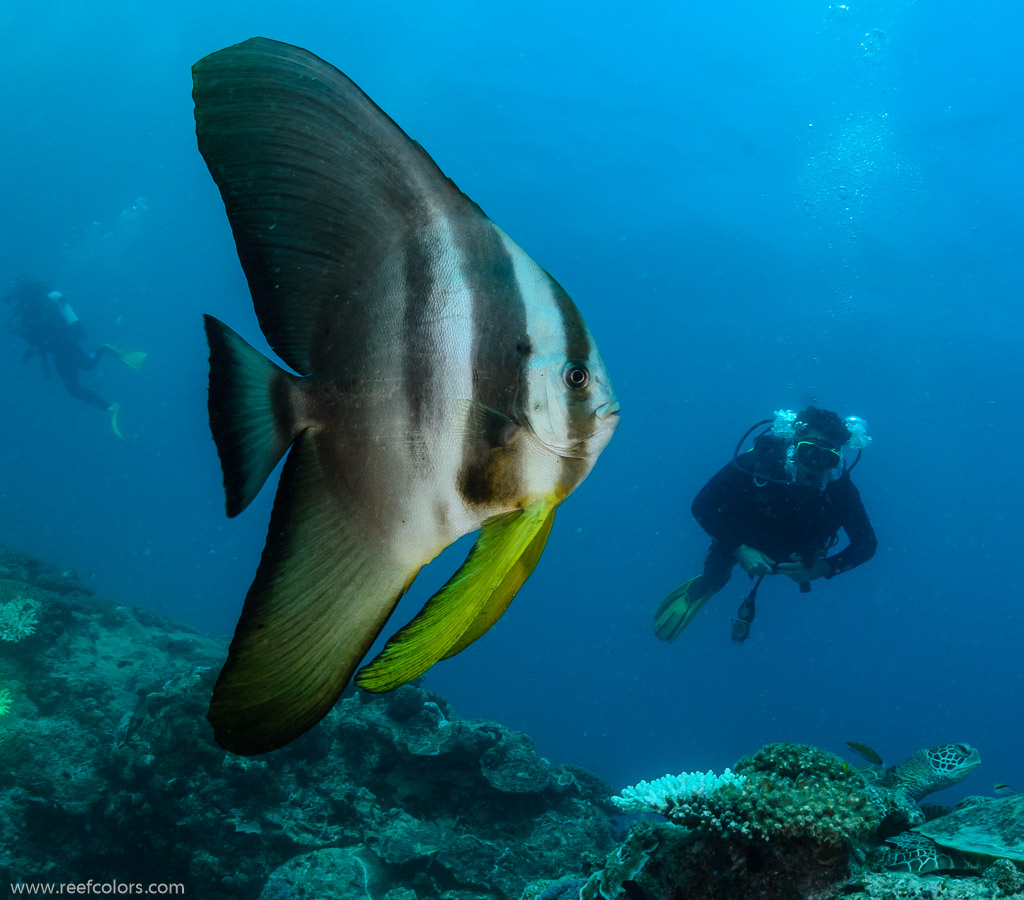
[777, 510]
[47, 323]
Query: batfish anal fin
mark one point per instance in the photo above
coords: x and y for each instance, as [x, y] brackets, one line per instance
[322, 593]
[492, 573]
[507, 590]
[250, 414]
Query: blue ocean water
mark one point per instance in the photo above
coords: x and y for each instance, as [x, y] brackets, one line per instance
[756, 206]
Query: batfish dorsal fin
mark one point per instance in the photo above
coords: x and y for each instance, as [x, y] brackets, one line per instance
[318, 183]
[474, 598]
[321, 595]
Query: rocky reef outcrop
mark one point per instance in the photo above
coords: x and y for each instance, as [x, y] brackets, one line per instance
[110, 772]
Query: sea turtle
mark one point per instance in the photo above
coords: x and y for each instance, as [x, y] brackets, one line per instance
[977, 832]
[923, 773]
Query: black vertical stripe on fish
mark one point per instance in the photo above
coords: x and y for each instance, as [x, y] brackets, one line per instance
[420, 318]
[577, 338]
[499, 320]
[577, 349]
[498, 365]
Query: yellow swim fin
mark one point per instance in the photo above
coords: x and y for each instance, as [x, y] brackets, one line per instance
[133, 358]
[677, 611]
[474, 598]
[115, 414]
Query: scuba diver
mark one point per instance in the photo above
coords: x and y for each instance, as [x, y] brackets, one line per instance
[48, 324]
[776, 509]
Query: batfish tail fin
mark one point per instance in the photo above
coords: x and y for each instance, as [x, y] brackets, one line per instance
[322, 593]
[474, 598]
[250, 416]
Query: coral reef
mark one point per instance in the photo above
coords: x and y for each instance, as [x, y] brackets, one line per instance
[803, 793]
[18, 612]
[111, 773]
[675, 796]
[1000, 881]
[789, 822]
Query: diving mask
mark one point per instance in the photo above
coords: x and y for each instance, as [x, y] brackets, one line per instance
[817, 455]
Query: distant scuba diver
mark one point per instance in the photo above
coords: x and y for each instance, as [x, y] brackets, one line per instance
[776, 509]
[47, 323]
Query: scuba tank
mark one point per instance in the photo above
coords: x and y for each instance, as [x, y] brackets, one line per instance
[65, 310]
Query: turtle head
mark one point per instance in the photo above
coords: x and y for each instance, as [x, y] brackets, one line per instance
[934, 769]
[953, 762]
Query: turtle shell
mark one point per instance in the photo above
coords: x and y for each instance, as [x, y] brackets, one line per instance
[994, 828]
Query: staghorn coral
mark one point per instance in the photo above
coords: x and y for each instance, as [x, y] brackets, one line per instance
[701, 801]
[665, 795]
[5, 702]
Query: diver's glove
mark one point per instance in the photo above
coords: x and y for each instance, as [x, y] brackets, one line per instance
[754, 562]
[801, 573]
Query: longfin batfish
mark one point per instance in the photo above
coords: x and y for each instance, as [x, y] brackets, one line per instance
[445, 383]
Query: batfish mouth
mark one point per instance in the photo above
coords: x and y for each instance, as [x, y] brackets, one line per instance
[608, 409]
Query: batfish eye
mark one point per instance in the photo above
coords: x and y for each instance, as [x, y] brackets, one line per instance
[576, 376]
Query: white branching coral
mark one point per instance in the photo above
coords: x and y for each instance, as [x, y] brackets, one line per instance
[664, 795]
[18, 617]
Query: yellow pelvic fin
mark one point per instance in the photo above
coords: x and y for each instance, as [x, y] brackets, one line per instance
[474, 598]
[507, 590]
